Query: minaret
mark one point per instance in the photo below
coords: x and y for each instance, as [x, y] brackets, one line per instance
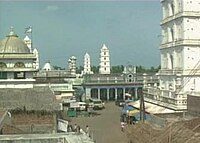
[87, 66]
[180, 52]
[37, 66]
[72, 65]
[104, 61]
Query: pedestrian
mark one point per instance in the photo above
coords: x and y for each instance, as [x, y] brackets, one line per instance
[87, 130]
[75, 128]
[78, 129]
[122, 126]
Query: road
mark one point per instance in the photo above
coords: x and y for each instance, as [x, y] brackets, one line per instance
[105, 127]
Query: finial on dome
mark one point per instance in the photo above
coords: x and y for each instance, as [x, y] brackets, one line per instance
[12, 33]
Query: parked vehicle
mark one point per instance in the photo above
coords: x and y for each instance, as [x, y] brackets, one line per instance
[120, 103]
[79, 106]
[97, 103]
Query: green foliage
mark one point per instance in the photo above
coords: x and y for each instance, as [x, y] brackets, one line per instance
[141, 69]
[117, 69]
[95, 69]
[79, 69]
[58, 68]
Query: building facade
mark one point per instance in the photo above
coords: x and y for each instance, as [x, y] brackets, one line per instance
[180, 54]
[104, 60]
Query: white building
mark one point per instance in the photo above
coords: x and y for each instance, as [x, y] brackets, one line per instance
[104, 60]
[17, 63]
[87, 65]
[180, 54]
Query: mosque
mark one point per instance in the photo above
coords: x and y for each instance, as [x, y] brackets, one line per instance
[18, 62]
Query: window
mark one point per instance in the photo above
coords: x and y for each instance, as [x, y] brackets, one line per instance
[19, 75]
[3, 75]
[19, 65]
[2, 65]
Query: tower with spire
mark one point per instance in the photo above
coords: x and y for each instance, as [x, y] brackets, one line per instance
[87, 65]
[104, 60]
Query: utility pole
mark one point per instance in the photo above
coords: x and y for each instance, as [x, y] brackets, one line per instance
[142, 108]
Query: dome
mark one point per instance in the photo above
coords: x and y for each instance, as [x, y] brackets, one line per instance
[13, 44]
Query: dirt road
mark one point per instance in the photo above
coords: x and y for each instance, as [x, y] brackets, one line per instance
[105, 128]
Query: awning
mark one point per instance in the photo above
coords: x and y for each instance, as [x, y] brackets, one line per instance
[132, 112]
[152, 108]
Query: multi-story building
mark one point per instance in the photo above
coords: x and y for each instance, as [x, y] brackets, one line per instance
[180, 55]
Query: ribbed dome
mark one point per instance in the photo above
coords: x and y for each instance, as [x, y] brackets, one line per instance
[13, 44]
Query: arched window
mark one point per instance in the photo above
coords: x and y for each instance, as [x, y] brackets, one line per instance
[2, 65]
[19, 65]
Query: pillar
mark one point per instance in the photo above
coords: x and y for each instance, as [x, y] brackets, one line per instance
[87, 93]
[136, 93]
[124, 94]
[98, 93]
[115, 93]
[108, 94]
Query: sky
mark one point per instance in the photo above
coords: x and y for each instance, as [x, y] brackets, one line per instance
[61, 29]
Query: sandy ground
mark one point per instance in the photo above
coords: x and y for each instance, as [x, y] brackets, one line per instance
[105, 127]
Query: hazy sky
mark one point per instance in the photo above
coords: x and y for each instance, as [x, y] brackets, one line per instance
[130, 29]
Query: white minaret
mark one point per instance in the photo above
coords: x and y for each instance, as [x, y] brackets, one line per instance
[180, 52]
[36, 64]
[72, 65]
[104, 61]
[86, 64]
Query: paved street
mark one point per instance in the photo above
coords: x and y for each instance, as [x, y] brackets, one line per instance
[106, 126]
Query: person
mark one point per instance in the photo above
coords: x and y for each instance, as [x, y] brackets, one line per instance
[78, 129]
[87, 130]
[122, 126]
[75, 128]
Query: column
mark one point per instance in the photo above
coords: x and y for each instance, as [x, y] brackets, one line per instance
[107, 94]
[87, 93]
[115, 93]
[98, 94]
[136, 93]
[124, 94]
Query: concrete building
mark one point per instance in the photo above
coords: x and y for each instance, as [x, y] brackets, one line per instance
[86, 65]
[180, 55]
[104, 60]
[17, 62]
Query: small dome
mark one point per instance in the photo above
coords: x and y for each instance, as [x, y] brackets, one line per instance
[13, 44]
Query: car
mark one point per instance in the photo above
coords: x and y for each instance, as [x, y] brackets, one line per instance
[97, 104]
[120, 103]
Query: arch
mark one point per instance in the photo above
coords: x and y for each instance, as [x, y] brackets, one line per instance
[3, 65]
[119, 93]
[112, 94]
[94, 93]
[103, 94]
[19, 65]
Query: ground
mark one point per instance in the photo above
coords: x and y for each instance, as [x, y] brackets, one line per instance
[105, 127]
